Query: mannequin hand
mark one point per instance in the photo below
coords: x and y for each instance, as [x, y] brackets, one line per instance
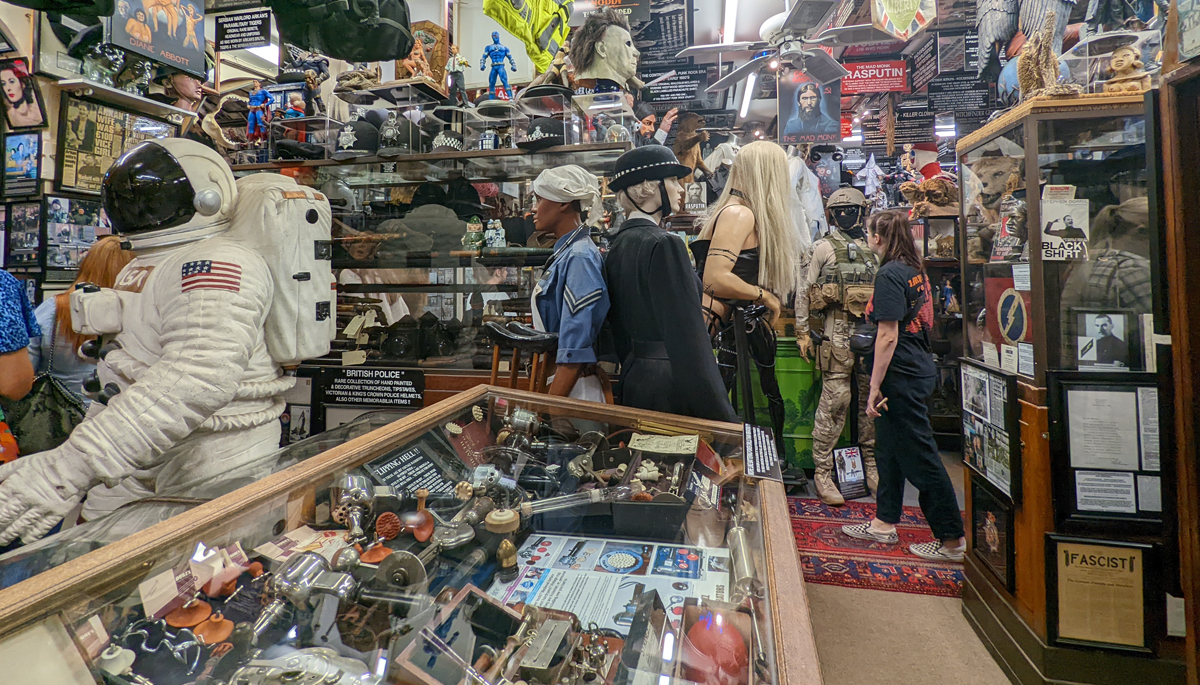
[669, 119]
[876, 403]
[771, 303]
[804, 344]
[38, 491]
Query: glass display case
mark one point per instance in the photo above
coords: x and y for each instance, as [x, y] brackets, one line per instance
[495, 537]
[1057, 209]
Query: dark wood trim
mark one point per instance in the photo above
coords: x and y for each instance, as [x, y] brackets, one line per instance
[1181, 176]
[1034, 518]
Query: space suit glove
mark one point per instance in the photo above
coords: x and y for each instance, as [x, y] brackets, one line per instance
[39, 490]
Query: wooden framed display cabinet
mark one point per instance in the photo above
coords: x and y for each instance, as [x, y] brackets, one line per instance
[708, 568]
[1063, 287]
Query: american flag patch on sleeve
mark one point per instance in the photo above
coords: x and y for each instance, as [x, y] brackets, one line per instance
[211, 275]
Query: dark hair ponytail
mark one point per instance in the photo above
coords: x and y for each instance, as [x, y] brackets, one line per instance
[895, 235]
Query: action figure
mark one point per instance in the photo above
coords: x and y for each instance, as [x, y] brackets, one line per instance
[836, 290]
[497, 53]
[295, 108]
[455, 66]
[194, 384]
[417, 64]
[259, 114]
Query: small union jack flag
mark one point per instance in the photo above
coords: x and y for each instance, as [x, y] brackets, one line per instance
[211, 275]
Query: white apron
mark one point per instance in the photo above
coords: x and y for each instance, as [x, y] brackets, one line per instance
[586, 388]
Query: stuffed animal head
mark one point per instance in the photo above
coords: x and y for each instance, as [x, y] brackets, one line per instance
[993, 173]
[912, 192]
[690, 122]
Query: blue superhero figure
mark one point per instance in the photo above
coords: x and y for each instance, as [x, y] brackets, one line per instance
[498, 53]
[259, 114]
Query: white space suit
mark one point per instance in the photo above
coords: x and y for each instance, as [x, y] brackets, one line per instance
[200, 391]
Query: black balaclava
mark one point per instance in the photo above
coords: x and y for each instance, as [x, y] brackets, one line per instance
[849, 219]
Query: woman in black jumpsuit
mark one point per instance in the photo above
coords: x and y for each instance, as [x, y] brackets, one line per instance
[667, 363]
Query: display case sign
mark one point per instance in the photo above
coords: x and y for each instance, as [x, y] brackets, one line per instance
[410, 469]
[991, 428]
[244, 30]
[373, 386]
[924, 65]
[959, 91]
[92, 135]
[875, 77]
[762, 458]
[1102, 594]
[665, 31]
[684, 87]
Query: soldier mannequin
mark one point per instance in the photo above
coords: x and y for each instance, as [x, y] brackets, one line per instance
[835, 294]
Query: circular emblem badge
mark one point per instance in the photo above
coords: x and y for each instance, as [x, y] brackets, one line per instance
[1013, 317]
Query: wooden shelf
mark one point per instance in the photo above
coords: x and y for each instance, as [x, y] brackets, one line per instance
[583, 148]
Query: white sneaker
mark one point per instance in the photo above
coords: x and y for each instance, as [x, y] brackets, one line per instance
[863, 531]
[936, 551]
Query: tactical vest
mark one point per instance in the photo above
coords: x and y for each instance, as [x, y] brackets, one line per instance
[849, 281]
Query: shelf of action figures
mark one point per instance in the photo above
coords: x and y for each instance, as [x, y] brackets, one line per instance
[125, 100]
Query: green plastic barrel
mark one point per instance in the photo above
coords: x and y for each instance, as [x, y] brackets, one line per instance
[800, 387]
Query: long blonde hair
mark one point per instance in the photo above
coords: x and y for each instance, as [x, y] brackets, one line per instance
[760, 175]
[104, 260]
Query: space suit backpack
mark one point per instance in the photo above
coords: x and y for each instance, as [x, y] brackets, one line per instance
[289, 226]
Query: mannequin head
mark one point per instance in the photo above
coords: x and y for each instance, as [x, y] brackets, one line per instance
[645, 197]
[187, 87]
[603, 49]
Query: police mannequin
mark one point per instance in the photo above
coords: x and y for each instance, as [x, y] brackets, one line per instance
[837, 288]
[193, 387]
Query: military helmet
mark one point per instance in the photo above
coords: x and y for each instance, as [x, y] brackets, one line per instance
[846, 197]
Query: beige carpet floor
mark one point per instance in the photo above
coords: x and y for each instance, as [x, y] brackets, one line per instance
[895, 638]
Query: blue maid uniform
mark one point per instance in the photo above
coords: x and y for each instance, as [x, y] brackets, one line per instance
[571, 299]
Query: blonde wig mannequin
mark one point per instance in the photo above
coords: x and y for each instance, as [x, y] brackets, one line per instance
[760, 175]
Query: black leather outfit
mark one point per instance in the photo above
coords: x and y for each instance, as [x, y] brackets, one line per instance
[658, 329]
[760, 337]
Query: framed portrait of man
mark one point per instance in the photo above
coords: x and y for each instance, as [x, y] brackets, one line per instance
[809, 112]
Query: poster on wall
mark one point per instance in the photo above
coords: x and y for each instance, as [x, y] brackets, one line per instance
[168, 32]
[1065, 230]
[876, 77]
[23, 106]
[22, 164]
[667, 31]
[92, 135]
[811, 113]
[1100, 592]
[72, 227]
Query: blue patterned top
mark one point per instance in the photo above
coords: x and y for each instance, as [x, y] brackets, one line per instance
[17, 322]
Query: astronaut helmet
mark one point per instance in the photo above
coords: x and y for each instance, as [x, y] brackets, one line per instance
[168, 192]
[847, 208]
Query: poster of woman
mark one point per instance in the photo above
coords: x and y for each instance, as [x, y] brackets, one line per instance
[166, 31]
[23, 107]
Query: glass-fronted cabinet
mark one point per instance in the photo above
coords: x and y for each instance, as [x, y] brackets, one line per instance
[496, 537]
[1058, 253]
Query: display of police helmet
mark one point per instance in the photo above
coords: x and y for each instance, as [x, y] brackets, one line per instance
[360, 31]
[646, 163]
[847, 207]
[172, 184]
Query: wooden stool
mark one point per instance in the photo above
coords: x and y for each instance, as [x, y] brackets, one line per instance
[518, 338]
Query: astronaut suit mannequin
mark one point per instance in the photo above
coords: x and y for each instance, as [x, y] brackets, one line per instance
[837, 288]
[193, 383]
[497, 53]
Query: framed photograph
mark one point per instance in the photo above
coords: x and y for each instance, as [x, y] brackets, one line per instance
[810, 112]
[1106, 340]
[24, 234]
[695, 199]
[1083, 574]
[72, 226]
[91, 135]
[1106, 436]
[992, 532]
[51, 58]
[22, 164]
[23, 106]
[991, 427]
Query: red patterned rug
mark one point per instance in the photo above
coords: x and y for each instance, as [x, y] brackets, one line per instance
[830, 557]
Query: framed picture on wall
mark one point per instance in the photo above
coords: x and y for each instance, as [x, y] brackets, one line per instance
[22, 164]
[1085, 573]
[992, 532]
[1106, 340]
[991, 427]
[72, 227]
[23, 106]
[24, 234]
[91, 135]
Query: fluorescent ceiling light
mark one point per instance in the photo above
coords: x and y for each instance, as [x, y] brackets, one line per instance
[748, 94]
[729, 28]
[267, 52]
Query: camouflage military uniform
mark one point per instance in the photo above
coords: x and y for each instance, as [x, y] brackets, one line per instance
[833, 299]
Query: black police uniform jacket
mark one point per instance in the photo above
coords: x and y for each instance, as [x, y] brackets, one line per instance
[667, 362]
